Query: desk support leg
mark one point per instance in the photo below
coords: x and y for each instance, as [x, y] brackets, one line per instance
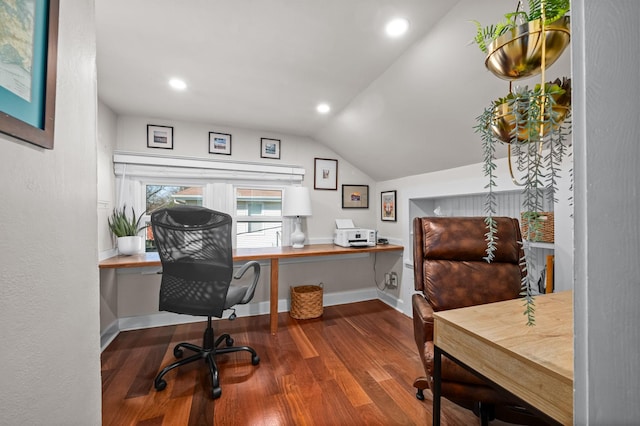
[437, 384]
[273, 296]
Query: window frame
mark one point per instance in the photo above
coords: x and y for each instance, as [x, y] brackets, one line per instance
[286, 223]
[222, 192]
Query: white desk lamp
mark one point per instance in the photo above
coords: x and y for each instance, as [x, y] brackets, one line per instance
[296, 203]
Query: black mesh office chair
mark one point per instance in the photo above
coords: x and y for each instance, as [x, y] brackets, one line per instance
[194, 244]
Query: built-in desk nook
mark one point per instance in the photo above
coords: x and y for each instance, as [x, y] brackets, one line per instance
[273, 254]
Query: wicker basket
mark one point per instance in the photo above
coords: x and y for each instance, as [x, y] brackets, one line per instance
[306, 301]
[545, 222]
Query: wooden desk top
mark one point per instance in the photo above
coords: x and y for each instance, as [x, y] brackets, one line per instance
[244, 254]
[534, 363]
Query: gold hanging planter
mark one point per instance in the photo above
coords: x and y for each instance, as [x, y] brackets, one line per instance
[503, 122]
[518, 53]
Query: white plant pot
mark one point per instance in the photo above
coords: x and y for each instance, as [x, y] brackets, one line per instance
[130, 245]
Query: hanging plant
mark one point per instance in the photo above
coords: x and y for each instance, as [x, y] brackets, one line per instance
[514, 109]
[553, 10]
[536, 128]
[514, 46]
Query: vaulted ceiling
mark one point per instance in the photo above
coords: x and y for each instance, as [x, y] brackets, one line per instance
[399, 107]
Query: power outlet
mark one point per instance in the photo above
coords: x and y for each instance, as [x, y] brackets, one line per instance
[393, 280]
[387, 280]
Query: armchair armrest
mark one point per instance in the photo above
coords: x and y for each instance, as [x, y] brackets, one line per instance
[256, 276]
[422, 320]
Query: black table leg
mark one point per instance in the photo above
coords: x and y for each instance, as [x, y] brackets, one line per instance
[437, 372]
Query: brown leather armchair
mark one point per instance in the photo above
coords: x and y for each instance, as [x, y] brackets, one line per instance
[450, 272]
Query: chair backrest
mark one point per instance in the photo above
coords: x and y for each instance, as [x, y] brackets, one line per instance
[449, 266]
[194, 244]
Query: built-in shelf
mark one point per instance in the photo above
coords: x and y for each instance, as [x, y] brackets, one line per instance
[509, 203]
[540, 245]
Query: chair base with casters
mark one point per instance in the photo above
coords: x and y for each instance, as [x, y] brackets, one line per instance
[208, 352]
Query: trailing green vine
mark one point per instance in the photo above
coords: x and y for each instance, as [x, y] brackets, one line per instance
[538, 129]
[489, 156]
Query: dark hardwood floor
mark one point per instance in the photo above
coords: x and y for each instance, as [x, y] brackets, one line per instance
[353, 366]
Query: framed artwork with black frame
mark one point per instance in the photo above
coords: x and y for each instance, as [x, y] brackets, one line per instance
[388, 206]
[269, 148]
[325, 173]
[159, 136]
[219, 143]
[28, 89]
[355, 196]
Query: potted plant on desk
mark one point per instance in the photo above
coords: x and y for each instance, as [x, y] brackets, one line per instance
[126, 229]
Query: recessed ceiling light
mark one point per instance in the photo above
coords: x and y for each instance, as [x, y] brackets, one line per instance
[397, 27]
[323, 108]
[177, 84]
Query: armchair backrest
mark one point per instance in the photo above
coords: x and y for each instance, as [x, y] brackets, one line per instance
[449, 265]
[194, 244]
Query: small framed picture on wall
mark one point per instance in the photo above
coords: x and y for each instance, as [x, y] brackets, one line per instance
[355, 196]
[219, 143]
[159, 136]
[325, 174]
[388, 206]
[270, 148]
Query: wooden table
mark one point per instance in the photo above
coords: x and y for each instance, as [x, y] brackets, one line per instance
[274, 254]
[534, 363]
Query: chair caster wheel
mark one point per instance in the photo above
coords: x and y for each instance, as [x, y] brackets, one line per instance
[420, 395]
[217, 392]
[229, 341]
[255, 360]
[160, 385]
[177, 352]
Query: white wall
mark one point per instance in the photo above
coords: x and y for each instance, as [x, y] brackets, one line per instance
[607, 238]
[107, 127]
[428, 99]
[50, 350]
[192, 140]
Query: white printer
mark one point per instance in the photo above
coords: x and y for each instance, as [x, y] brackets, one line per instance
[347, 235]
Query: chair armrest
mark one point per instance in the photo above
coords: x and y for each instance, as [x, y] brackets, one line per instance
[256, 276]
[422, 320]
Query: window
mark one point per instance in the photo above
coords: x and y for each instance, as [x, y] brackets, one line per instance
[159, 196]
[258, 215]
[250, 192]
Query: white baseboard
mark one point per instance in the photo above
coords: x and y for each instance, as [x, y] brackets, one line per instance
[261, 308]
[159, 319]
[109, 334]
[394, 302]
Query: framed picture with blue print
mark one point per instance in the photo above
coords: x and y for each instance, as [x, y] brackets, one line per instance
[219, 143]
[270, 148]
[28, 60]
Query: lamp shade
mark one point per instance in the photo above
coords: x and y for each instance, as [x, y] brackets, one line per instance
[296, 201]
